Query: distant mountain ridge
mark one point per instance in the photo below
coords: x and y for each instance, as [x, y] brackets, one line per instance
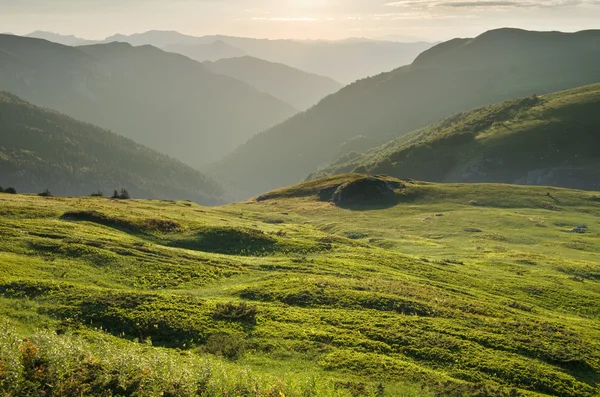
[205, 52]
[373, 111]
[344, 61]
[43, 149]
[69, 40]
[165, 101]
[549, 140]
[300, 89]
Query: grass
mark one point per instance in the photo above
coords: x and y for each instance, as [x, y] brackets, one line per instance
[406, 300]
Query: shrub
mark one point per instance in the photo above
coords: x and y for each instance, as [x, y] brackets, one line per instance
[225, 345]
[1, 189]
[97, 194]
[236, 312]
[10, 190]
[45, 193]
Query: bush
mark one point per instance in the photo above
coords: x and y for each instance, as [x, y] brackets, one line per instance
[10, 190]
[236, 312]
[97, 194]
[45, 193]
[1, 189]
[225, 345]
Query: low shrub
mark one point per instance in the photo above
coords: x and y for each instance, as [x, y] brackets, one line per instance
[236, 312]
[230, 346]
[45, 193]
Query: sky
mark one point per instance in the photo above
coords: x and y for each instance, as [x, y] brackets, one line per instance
[402, 20]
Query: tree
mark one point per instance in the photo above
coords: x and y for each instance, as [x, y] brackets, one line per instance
[124, 195]
[1, 189]
[10, 190]
[45, 193]
[97, 194]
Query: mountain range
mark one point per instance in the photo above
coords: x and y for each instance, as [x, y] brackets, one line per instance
[451, 77]
[344, 60]
[165, 101]
[43, 149]
[69, 40]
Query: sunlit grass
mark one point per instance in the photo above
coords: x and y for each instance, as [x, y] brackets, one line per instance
[463, 289]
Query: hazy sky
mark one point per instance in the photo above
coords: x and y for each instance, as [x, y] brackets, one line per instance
[311, 19]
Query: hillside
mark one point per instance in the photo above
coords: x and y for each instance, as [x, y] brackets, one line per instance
[165, 101]
[420, 290]
[547, 140]
[451, 77]
[344, 61]
[300, 89]
[42, 149]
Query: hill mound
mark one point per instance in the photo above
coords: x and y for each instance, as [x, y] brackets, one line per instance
[547, 140]
[42, 149]
[344, 190]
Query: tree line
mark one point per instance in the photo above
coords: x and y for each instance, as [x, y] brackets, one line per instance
[122, 194]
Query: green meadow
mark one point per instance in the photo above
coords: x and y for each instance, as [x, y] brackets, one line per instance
[440, 290]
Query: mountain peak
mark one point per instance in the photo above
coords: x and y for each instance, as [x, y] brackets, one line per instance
[505, 45]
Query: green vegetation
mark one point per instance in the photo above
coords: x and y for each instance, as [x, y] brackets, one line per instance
[164, 101]
[449, 290]
[548, 140]
[452, 77]
[42, 149]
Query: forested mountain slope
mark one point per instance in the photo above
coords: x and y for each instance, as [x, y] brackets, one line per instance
[42, 149]
[548, 140]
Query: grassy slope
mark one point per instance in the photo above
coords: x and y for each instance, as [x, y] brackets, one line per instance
[40, 149]
[464, 288]
[451, 77]
[556, 133]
